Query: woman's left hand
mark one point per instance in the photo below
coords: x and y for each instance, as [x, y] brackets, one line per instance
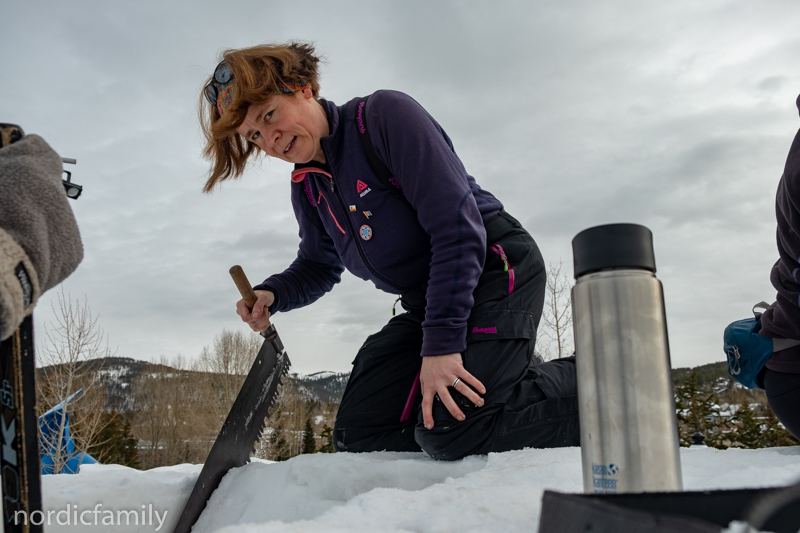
[437, 376]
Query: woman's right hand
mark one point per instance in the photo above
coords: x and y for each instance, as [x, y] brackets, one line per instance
[258, 317]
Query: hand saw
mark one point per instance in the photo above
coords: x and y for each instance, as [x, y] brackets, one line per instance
[236, 440]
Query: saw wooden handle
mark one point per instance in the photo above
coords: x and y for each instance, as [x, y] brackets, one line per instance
[245, 289]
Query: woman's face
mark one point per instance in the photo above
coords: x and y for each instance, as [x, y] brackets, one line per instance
[288, 127]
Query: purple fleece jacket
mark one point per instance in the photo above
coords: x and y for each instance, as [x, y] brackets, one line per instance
[782, 320]
[348, 219]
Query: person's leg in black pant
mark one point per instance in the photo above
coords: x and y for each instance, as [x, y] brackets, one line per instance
[783, 393]
[526, 404]
[382, 378]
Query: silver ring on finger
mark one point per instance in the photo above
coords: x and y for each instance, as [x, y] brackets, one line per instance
[455, 382]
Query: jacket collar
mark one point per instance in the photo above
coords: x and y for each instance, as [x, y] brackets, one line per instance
[328, 144]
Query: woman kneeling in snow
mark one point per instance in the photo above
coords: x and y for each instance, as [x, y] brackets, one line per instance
[377, 188]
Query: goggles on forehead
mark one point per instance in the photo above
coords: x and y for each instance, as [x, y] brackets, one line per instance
[222, 76]
[219, 91]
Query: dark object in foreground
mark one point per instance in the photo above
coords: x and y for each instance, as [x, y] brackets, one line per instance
[237, 438]
[772, 509]
[21, 477]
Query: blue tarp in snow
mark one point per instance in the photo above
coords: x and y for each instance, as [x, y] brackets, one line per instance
[49, 427]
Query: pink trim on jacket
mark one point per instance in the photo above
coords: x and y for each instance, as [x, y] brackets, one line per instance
[319, 201]
[300, 174]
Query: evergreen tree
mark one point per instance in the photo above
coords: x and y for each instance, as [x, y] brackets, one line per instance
[279, 448]
[699, 413]
[748, 432]
[128, 452]
[309, 442]
[774, 434]
[327, 434]
[115, 444]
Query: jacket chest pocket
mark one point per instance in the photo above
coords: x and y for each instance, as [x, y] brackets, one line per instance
[323, 203]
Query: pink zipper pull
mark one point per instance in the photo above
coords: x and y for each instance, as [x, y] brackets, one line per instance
[496, 248]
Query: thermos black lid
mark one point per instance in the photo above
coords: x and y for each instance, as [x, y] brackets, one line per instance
[613, 246]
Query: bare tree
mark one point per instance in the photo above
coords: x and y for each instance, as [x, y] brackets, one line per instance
[181, 407]
[225, 368]
[555, 328]
[286, 426]
[70, 352]
[294, 412]
[170, 421]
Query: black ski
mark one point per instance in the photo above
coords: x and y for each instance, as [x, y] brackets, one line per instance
[21, 469]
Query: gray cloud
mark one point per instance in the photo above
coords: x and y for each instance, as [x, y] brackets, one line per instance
[675, 115]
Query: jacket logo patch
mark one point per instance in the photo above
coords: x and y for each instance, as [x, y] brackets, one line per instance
[360, 186]
[484, 330]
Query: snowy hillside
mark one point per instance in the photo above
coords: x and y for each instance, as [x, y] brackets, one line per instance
[375, 492]
[118, 375]
[321, 386]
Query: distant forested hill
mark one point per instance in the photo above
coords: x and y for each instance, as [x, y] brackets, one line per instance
[706, 374]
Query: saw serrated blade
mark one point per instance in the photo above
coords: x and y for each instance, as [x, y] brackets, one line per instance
[243, 427]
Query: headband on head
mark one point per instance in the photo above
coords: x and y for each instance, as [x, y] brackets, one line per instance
[225, 94]
[291, 87]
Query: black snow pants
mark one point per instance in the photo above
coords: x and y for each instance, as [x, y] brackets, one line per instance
[783, 394]
[527, 403]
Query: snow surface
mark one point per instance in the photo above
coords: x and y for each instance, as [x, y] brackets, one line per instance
[384, 492]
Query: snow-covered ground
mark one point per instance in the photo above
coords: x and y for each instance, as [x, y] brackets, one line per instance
[375, 492]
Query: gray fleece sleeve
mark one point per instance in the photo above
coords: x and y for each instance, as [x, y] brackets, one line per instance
[40, 244]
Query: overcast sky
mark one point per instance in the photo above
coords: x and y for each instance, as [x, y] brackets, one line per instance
[675, 115]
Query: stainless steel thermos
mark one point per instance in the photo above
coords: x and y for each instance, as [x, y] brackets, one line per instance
[629, 433]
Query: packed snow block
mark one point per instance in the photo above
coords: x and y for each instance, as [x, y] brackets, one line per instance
[772, 509]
